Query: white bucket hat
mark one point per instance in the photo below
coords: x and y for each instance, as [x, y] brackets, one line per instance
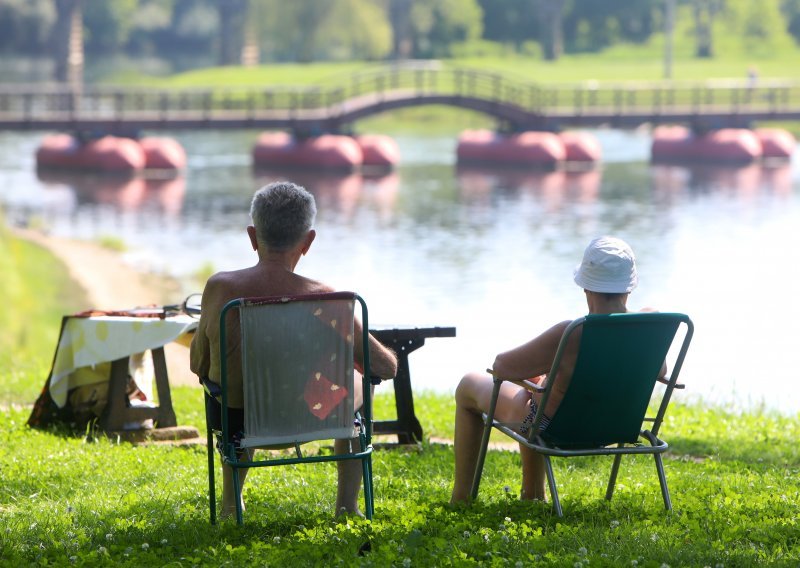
[608, 266]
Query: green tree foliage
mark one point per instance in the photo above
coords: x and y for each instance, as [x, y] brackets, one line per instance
[512, 22]
[108, 25]
[758, 23]
[591, 26]
[438, 25]
[791, 14]
[25, 25]
[319, 30]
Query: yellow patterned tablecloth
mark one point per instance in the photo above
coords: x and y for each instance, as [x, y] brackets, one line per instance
[86, 342]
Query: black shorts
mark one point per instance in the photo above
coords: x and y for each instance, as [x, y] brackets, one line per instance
[235, 419]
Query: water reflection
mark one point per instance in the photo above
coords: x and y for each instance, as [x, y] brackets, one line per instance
[124, 194]
[554, 187]
[341, 194]
[745, 181]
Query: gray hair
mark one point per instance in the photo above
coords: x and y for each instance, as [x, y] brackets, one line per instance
[282, 213]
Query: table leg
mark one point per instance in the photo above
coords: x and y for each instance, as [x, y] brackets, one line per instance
[166, 414]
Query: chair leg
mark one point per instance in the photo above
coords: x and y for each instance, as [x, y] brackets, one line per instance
[551, 482]
[612, 481]
[662, 479]
[237, 495]
[476, 480]
[212, 494]
[369, 503]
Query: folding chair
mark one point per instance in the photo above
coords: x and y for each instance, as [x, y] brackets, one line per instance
[297, 369]
[604, 409]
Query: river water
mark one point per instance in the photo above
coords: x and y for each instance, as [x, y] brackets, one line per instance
[490, 252]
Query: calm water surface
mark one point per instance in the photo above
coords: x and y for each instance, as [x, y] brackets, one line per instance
[489, 252]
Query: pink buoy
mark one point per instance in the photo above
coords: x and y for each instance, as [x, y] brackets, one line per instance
[58, 151]
[532, 148]
[581, 146]
[163, 154]
[776, 142]
[328, 151]
[379, 150]
[107, 154]
[112, 154]
[731, 145]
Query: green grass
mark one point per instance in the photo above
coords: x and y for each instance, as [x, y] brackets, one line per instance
[67, 501]
[37, 292]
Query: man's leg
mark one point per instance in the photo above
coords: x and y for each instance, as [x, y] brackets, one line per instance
[228, 497]
[473, 397]
[350, 472]
[350, 478]
[533, 476]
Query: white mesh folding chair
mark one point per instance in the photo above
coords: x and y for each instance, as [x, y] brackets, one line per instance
[298, 370]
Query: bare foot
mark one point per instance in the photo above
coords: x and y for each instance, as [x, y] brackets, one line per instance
[344, 512]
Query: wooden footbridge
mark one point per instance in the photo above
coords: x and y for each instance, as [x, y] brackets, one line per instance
[333, 107]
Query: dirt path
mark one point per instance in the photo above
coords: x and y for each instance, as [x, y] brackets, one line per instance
[113, 284]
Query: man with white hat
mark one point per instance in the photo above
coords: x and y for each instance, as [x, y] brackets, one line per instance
[607, 275]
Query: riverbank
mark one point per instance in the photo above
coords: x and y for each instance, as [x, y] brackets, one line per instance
[111, 283]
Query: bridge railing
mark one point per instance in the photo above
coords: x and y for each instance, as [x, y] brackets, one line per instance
[36, 103]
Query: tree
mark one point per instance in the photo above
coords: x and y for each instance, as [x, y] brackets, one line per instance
[704, 12]
[67, 42]
[439, 24]
[400, 20]
[551, 29]
[232, 17]
[26, 25]
[510, 21]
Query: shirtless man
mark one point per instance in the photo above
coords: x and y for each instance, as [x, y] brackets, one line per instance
[283, 216]
[607, 275]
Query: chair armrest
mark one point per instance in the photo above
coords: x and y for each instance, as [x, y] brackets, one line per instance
[665, 381]
[524, 383]
[212, 388]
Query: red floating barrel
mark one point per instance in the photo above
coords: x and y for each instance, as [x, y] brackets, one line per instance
[537, 149]
[328, 151]
[776, 142]
[731, 145]
[107, 154]
[163, 154]
[581, 146]
[379, 150]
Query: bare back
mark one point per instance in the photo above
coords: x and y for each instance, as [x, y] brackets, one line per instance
[263, 279]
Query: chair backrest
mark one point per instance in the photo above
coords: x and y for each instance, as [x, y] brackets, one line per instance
[297, 368]
[618, 363]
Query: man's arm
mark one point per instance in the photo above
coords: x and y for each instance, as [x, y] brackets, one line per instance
[382, 360]
[531, 359]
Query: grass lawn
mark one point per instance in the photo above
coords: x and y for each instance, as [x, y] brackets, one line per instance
[68, 501]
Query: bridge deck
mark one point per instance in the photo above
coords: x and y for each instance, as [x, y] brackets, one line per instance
[515, 104]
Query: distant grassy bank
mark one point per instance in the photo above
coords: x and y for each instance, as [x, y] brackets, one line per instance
[735, 482]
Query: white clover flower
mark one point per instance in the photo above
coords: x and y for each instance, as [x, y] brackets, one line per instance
[406, 562]
[276, 540]
[519, 564]
[507, 519]
[466, 534]
[73, 559]
[582, 551]
[145, 546]
[634, 562]
[614, 524]
[109, 536]
[664, 565]
[102, 550]
[164, 541]
[505, 538]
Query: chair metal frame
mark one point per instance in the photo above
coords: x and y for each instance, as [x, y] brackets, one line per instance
[363, 422]
[536, 439]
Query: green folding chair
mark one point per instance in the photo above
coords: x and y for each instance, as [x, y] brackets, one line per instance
[604, 411]
[298, 370]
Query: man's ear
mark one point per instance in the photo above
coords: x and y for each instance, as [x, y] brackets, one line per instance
[251, 232]
[312, 234]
